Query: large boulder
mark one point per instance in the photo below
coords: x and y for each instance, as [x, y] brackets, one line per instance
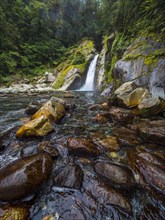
[24, 176]
[144, 63]
[132, 99]
[151, 106]
[127, 87]
[38, 127]
[116, 174]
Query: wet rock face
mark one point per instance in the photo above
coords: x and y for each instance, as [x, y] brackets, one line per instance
[126, 137]
[14, 212]
[121, 116]
[82, 146]
[38, 127]
[152, 131]
[105, 194]
[149, 167]
[54, 111]
[46, 147]
[69, 176]
[116, 174]
[151, 106]
[24, 176]
[132, 68]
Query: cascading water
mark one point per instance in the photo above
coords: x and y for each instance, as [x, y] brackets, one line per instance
[89, 83]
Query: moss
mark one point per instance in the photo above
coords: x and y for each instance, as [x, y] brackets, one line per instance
[77, 57]
[131, 57]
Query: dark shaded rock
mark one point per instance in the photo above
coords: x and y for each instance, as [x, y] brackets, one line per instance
[105, 194]
[14, 212]
[149, 167]
[82, 146]
[116, 174]
[152, 131]
[33, 107]
[70, 176]
[126, 137]
[24, 176]
[121, 116]
[46, 147]
[66, 104]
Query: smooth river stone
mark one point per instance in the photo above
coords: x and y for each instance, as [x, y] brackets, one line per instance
[24, 176]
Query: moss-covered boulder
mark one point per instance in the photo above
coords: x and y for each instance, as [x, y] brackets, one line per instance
[71, 71]
[41, 122]
[15, 212]
[144, 63]
[53, 110]
[38, 127]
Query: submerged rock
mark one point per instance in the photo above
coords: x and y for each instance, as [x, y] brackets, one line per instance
[40, 126]
[45, 146]
[149, 167]
[126, 137]
[70, 176]
[152, 131]
[110, 143]
[121, 116]
[15, 212]
[105, 194]
[24, 176]
[116, 174]
[82, 146]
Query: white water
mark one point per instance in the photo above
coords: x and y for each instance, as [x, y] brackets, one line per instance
[89, 83]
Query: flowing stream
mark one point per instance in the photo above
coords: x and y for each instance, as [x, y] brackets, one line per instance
[68, 203]
[89, 83]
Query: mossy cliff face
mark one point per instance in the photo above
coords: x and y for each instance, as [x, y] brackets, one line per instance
[144, 63]
[71, 71]
[103, 67]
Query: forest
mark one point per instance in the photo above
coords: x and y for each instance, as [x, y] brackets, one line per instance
[35, 34]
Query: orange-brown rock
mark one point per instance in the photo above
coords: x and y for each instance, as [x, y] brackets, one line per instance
[82, 146]
[110, 143]
[24, 176]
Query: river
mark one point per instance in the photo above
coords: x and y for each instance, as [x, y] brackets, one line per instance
[67, 203]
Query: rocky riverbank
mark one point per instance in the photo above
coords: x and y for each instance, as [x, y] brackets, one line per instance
[99, 158]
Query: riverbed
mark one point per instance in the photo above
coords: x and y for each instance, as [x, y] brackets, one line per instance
[90, 201]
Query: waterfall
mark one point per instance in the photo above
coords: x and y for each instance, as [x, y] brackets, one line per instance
[89, 83]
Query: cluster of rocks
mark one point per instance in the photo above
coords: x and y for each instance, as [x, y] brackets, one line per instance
[111, 180]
